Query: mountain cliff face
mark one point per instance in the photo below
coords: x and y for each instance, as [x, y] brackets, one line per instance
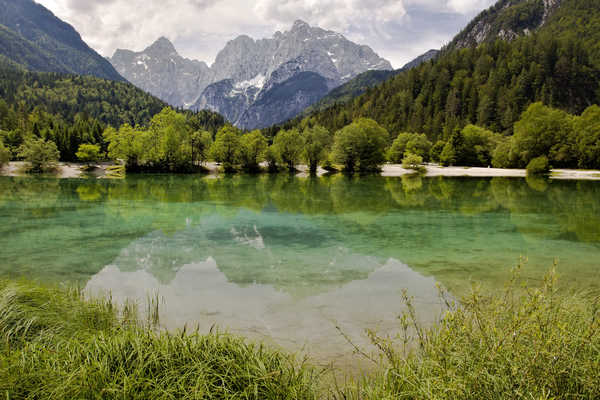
[506, 20]
[249, 71]
[33, 37]
[160, 70]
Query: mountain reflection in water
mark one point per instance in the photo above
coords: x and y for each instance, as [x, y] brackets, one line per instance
[201, 295]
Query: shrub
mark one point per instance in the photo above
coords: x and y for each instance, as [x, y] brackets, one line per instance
[436, 151]
[448, 155]
[88, 153]
[39, 153]
[361, 145]
[538, 166]
[409, 142]
[523, 343]
[4, 155]
[412, 161]
[252, 150]
[226, 148]
[317, 141]
[288, 147]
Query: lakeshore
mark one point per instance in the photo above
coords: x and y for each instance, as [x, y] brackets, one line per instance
[77, 170]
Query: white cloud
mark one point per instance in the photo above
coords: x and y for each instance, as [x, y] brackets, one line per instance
[332, 14]
[396, 29]
[467, 6]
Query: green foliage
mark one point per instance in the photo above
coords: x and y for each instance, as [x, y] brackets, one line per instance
[409, 142]
[125, 145]
[504, 15]
[523, 343]
[272, 158]
[88, 153]
[412, 161]
[502, 156]
[538, 166]
[201, 143]
[361, 146]
[317, 142]
[226, 148]
[168, 144]
[587, 129]
[288, 146]
[489, 86]
[39, 153]
[110, 102]
[436, 151]
[253, 146]
[544, 131]
[4, 155]
[448, 156]
[74, 110]
[56, 345]
[41, 41]
[478, 146]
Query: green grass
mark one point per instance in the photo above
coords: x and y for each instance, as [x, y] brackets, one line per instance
[522, 343]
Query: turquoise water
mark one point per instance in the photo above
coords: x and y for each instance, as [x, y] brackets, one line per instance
[287, 258]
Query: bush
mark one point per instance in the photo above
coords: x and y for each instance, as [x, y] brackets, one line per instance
[317, 141]
[361, 145]
[40, 154]
[4, 155]
[524, 343]
[409, 142]
[412, 161]
[252, 150]
[88, 153]
[538, 166]
[226, 148]
[288, 145]
[436, 151]
[448, 156]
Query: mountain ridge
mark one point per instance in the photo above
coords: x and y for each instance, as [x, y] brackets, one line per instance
[246, 69]
[35, 38]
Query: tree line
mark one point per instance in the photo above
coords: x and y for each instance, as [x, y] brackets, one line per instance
[168, 144]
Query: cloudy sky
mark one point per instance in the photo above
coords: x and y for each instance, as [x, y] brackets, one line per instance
[398, 30]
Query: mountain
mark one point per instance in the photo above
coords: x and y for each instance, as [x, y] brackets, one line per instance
[30, 35]
[492, 79]
[160, 70]
[506, 20]
[365, 81]
[251, 80]
[430, 55]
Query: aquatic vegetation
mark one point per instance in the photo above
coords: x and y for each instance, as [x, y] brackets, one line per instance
[54, 344]
[522, 342]
[532, 342]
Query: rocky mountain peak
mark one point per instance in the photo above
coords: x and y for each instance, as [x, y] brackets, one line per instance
[161, 47]
[300, 25]
[305, 59]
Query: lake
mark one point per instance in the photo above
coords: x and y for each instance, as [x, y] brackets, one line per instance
[289, 260]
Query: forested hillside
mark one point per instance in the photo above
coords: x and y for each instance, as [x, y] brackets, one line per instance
[33, 37]
[489, 85]
[70, 109]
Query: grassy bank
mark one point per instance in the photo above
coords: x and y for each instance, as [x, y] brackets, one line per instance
[530, 343]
